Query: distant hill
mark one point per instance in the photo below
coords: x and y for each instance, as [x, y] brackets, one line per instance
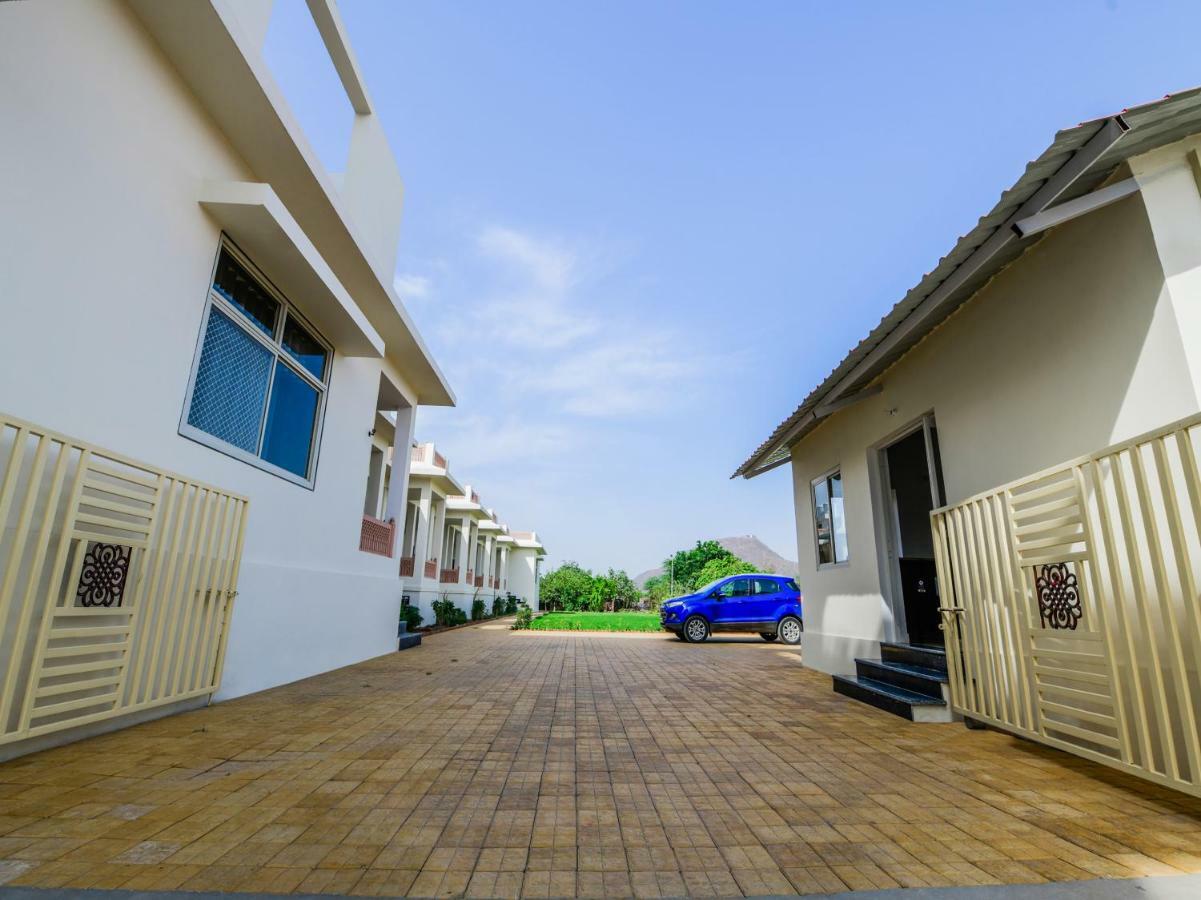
[746, 547]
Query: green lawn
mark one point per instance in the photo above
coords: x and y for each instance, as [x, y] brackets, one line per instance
[597, 621]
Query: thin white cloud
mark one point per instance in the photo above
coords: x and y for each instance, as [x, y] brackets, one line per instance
[411, 287]
[479, 440]
[540, 316]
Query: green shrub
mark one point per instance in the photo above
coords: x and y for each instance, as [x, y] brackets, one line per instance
[446, 613]
[498, 606]
[412, 616]
[511, 602]
[525, 616]
[478, 608]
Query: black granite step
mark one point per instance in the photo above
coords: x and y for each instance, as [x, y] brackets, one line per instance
[405, 641]
[918, 679]
[914, 655]
[892, 699]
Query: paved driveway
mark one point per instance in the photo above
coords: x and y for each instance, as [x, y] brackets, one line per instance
[496, 763]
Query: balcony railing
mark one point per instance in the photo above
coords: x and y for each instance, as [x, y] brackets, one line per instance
[471, 576]
[117, 582]
[406, 567]
[479, 580]
[449, 576]
[431, 569]
[377, 536]
[439, 460]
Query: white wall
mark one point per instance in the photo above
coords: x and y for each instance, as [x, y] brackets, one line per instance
[523, 579]
[1075, 346]
[107, 257]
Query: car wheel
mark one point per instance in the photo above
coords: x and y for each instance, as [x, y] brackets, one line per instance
[696, 629]
[768, 636]
[790, 630]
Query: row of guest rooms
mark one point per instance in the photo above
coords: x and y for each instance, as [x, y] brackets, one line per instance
[451, 546]
[210, 483]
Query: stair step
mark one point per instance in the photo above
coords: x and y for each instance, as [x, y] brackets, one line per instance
[914, 655]
[898, 701]
[918, 679]
[406, 641]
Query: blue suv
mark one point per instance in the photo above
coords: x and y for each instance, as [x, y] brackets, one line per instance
[768, 604]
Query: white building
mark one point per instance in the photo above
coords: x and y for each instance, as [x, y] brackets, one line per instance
[1066, 322]
[187, 290]
[455, 548]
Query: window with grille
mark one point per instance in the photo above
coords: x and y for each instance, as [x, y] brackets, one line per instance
[260, 377]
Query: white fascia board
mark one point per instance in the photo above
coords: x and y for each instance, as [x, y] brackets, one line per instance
[425, 470]
[461, 504]
[209, 46]
[337, 45]
[489, 525]
[257, 221]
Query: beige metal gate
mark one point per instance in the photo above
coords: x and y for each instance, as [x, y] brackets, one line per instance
[1071, 607]
[116, 582]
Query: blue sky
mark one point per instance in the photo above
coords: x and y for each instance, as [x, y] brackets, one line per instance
[637, 234]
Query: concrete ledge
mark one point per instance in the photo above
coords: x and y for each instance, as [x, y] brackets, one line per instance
[92, 729]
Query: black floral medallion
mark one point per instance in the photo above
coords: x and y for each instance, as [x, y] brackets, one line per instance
[102, 580]
[1058, 597]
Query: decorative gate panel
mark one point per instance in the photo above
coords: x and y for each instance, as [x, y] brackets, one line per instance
[116, 583]
[1072, 610]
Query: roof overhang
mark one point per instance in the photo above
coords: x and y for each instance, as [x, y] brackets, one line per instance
[441, 478]
[257, 221]
[218, 61]
[1078, 161]
[463, 505]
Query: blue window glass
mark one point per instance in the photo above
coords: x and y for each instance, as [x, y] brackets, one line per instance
[231, 384]
[304, 348]
[288, 438]
[236, 285]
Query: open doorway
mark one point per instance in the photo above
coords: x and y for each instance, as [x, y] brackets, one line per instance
[912, 480]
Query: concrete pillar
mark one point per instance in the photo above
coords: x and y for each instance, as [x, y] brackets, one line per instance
[465, 561]
[375, 483]
[437, 526]
[398, 492]
[423, 527]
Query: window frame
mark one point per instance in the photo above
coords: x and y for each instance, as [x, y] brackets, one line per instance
[755, 581]
[274, 344]
[824, 478]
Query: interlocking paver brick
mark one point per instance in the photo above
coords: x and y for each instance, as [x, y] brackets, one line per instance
[548, 765]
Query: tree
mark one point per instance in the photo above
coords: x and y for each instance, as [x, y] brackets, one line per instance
[684, 567]
[722, 568]
[568, 588]
[625, 592]
[659, 588]
[602, 591]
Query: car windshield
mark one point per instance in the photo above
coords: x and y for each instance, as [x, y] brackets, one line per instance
[711, 586]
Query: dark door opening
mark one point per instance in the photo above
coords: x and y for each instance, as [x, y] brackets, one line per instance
[910, 464]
